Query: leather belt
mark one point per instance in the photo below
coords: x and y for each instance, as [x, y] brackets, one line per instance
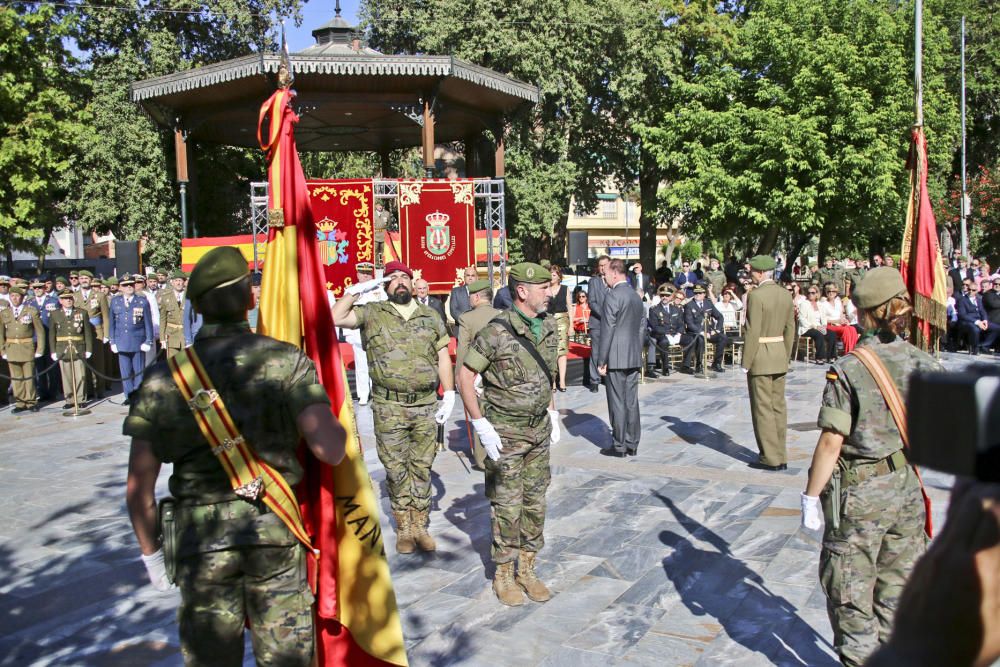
[171, 325]
[771, 339]
[66, 339]
[18, 341]
[860, 470]
[402, 396]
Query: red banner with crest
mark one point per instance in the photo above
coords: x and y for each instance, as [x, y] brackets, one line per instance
[437, 228]
[344, 228]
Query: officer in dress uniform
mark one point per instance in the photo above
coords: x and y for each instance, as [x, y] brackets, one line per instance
[131, 334]
[470, 323]
[700, 313]
[4, 371]
[154, 311]
[172, 314]
[22, 340]
[666, 323]
[71, 339]
[381, 226]
[47, 380]
[95, 304]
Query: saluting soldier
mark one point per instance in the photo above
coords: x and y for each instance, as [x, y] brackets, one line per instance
[516, 355]
[131, 334]
[71, 339]
[172, 315]
[47, 380]
[407, 348]
[95, 304]
[22, 340]
[766, 349]
[470, 323]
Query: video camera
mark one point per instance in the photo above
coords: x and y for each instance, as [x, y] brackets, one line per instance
[954, 422]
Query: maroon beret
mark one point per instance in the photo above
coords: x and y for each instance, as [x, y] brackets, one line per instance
[396, 265]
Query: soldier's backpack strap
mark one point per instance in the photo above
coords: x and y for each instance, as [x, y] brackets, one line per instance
[894, 400]
[526, 344]
[252, 479]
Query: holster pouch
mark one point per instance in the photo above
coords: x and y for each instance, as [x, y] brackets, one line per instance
[167, 516]
[831, 498]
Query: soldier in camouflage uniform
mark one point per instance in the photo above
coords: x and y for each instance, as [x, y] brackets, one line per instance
[869, 494]
[516, 427]
[235, 560]
[407, 347]
[71, 340]
[22, 340]
[715, 277]
[171, 303]
[832, 273]
[854, 277]
[470, 323]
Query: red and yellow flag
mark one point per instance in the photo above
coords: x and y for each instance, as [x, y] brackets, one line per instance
[356, 615]
[921, 264]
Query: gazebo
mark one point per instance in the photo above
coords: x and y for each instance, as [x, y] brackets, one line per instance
[351, 98]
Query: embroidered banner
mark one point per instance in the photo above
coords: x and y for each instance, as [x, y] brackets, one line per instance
[437, 225]
[345, 229]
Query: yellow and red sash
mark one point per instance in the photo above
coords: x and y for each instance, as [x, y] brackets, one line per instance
[252, 478]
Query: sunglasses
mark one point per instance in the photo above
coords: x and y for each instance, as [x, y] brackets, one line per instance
[813, 292]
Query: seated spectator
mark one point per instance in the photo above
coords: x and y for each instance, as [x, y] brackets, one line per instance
[991, 298]
[730, 305]
[581, 312]
[812, 324]
[981, 270]
[836, 317]
[974, 322]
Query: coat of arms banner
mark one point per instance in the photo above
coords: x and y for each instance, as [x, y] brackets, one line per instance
[437, 227]
[344, 228]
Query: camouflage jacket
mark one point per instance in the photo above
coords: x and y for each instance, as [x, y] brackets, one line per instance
[402, 353]
[64, 329]
[265, 384]
[23, 336]
[835, 275]
[514, 385]
[717, 279]
[853, 405]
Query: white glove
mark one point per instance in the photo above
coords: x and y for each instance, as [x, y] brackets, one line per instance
[447, 405]
[812, 515]
[163, 344]
[114, 348]
[144, 347]
[556, 433]
[366, 286]
[489, 437]
[3, 356]
[88, 355]
[37, 355]
[745, 370]
[157, 571]
[54, 356]
[477, 384]
[105, 340]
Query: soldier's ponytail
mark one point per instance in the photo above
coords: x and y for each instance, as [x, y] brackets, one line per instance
[893, 316]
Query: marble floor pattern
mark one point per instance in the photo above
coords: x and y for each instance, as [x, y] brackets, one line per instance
[679, 556]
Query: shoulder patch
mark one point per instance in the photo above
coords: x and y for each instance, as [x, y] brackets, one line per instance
[831, 375]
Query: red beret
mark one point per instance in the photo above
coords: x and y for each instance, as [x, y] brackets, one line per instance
[396, 265]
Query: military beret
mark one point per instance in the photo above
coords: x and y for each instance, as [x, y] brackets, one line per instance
[84, 274]
[546, 263]
[17, 290]
[878, 286]
[177, 273]
[126, 279]
[396, 265]
[477, 286]
[66, 294]
[161, 273]
[698, 289]
[38, 282]
[762, 263]
[61, 279]
[365, 267]
[664, 290]
[530, 273]
[217, 268]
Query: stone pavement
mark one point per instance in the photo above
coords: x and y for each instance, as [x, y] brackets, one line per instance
[679, 556]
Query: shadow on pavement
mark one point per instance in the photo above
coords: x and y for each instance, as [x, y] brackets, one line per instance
[701, 434]
[586, 426]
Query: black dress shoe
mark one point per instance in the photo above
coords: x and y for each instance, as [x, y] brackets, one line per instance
[652, 374]
[687, 370]
[718, 368]
[17, 410]
[126, 402]
[757, 465]
[613, 453]
[631, 452]
[561, 388]
[67, 406]
[594, 388]
[34, 408]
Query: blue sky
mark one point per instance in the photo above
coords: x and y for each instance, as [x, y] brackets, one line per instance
[314, 14]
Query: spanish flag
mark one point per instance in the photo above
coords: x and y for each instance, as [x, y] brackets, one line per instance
[921, 264]
[357, 621]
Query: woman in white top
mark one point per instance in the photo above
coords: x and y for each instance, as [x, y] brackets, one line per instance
[730, 305]
[812, 324]
[836, 318]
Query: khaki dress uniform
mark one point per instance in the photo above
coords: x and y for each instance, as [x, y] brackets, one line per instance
[381, 226]
[767, 347]
[71, 338]
[22, 338]
[4, 370]
[95, 304]
[469, 324]
[172, 321]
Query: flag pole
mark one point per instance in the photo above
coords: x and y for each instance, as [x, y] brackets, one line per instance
[965, 207]
[918, 60]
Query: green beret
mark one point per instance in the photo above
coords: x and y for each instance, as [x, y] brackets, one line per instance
[530, 273]
[177, 273]
[74, 273]
[546, 263]
[477, 286]
[67, 293]
[698, 289]
[127, 279]
[124, 281]
[762, 263]
[85, 274]
[878, 286]
[217, 268]
[17, 290]
[62, 279]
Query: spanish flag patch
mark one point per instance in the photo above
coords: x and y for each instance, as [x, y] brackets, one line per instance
[831, 375]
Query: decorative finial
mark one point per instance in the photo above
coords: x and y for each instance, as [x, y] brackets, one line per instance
[285, 76]
[337, 8]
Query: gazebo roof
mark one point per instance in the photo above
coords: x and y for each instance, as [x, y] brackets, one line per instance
[349, 97]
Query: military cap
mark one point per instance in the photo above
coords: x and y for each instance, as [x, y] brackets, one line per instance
[84, 274]
[178, 273]
[61, 279]
[126, 279]
[396, 265]
[17, 290]
[67, 293]
[217, 268]
[878, 286]
[530, 273]
[114, 281]
[4, 280]
[762, 263]
[477, 286]
[139, 278]
[37, 282]
[664, 290]
[698, 289]
[365, 267]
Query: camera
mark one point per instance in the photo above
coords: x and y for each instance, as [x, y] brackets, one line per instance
[954, 422]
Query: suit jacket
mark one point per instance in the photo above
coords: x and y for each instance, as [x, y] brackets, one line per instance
[597, 291]
[130, 326]
[459, 302]
[968, 312]
[646, 285]
[684, 278]
[192, 322]
[770, 314]
[991, 302]
[957, 276]
[621, 344]
[694, 317]
[435, 304]
[502, 299]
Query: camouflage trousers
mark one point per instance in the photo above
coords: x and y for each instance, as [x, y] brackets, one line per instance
[265, 584]
[516, 486]
[406, 441]
[866, 560]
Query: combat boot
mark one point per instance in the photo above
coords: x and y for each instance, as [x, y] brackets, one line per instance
[418, 529]
[527, 580]
[404, 535]
[503, 585]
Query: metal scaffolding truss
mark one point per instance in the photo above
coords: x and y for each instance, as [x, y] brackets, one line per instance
[490, 217]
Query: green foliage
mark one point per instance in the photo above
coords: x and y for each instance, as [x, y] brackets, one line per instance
[690, 250]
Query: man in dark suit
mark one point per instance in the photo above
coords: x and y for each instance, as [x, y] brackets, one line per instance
[502, 299]
[972, 318]
[991, 298]
[597, 289]
[666, 323]
[640, 282]
[960, 274]
[458, 302]
[422, 295]
[697, 314]
[619, 358]
[686, 279]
